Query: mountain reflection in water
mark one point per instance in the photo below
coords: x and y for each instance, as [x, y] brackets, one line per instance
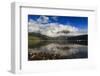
[52, 51]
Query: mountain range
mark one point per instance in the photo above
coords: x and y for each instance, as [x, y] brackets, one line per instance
[71, 38]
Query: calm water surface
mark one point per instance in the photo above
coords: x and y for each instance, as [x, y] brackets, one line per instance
[47, 50]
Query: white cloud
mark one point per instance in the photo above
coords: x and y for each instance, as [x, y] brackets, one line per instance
[52, 29]
[43, 19]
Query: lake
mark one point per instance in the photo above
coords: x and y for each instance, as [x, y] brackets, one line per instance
[52, 50]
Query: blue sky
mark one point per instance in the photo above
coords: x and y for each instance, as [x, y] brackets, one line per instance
[79, 22]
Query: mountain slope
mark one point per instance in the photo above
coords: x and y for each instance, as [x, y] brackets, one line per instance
[44, 37]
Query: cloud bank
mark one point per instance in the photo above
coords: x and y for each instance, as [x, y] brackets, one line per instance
[42, 25]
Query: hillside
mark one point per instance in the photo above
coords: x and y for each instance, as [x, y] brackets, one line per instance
[44, 37]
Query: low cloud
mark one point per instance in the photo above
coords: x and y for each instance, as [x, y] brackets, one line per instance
[52, 29]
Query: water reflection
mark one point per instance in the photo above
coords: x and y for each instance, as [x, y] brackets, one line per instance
[52, 50]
